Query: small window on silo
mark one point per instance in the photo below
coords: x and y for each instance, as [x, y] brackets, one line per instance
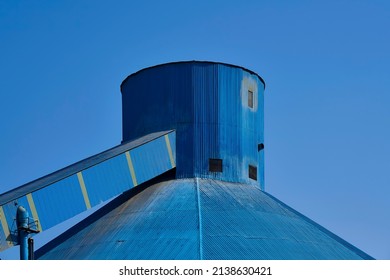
[250, 98]
[253, 172]
[215, 165]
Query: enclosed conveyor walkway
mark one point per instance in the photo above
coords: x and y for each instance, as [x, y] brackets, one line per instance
[61, 195]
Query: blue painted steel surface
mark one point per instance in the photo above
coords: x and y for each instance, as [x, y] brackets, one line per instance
[172, 141]
[10, 216]
[199, 219]
[151, 160]
[76, 167]
[217, 111]
[22, 223]
[207, 104]
[153, 224]
[70, 191]
[59, 201]
[108, 179]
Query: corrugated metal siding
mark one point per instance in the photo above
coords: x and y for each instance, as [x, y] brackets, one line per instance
[200, 219]
[58, 202]
[107, 179]
[99, 179]
[205, 120]
[207, 105]
[160, 100]
[150, 160]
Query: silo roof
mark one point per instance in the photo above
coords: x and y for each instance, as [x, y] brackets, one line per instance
[194, 62]
[198, 219]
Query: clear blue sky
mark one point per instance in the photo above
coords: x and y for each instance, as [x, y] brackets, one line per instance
[327, 102]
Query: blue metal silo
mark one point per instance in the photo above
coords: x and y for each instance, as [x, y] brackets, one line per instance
[190, 179]
[216, 110]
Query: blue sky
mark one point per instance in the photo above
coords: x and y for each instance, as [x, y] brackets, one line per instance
[326, 65]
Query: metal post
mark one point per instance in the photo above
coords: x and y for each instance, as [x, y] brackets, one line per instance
[22, 223]
[30, 249]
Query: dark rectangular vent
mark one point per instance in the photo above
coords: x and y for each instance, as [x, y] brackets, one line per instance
[253, 172]
[215, 165]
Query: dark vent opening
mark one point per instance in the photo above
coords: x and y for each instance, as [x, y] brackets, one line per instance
[260, 147]
[250, 99]
[215, 165]
[253, 172]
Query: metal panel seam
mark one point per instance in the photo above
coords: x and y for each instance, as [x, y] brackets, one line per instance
[84, 190]
[34, 210]
[169, 150]
[131, 168]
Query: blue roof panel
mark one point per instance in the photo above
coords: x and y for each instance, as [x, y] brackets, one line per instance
[199, 219]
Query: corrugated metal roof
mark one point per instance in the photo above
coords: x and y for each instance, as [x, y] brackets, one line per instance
[198, 219]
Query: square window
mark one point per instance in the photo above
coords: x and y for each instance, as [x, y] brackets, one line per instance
[250, 98]
[215, 165]
[253, 172]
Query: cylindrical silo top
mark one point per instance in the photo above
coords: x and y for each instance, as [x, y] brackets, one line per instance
[217, 110]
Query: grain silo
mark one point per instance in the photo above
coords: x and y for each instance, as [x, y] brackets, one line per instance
[190, 178]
